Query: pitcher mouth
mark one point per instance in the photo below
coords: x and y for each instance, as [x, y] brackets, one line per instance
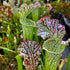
[53, 49]
[29, 23]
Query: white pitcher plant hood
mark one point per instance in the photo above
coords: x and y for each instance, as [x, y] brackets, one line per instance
[50, 28]
[30, 50]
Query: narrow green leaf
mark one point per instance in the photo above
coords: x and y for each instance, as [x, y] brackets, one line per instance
[7, 49]
[35, 17]
[36, 37]
[68, 62]
[19, 61]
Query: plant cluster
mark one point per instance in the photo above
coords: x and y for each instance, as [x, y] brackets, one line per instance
[28, 40]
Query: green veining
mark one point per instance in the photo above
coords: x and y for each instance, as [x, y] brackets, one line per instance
[53, 49]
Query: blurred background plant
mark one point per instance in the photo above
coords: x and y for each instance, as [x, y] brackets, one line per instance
[64, 8]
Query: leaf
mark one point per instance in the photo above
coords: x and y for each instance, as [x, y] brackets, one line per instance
[30, 50]
[27, 28]
[19, 61]
[35, 15]
[27, 25]
[68, 62]
[53, 49]
[50, 28]
[23, 10]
